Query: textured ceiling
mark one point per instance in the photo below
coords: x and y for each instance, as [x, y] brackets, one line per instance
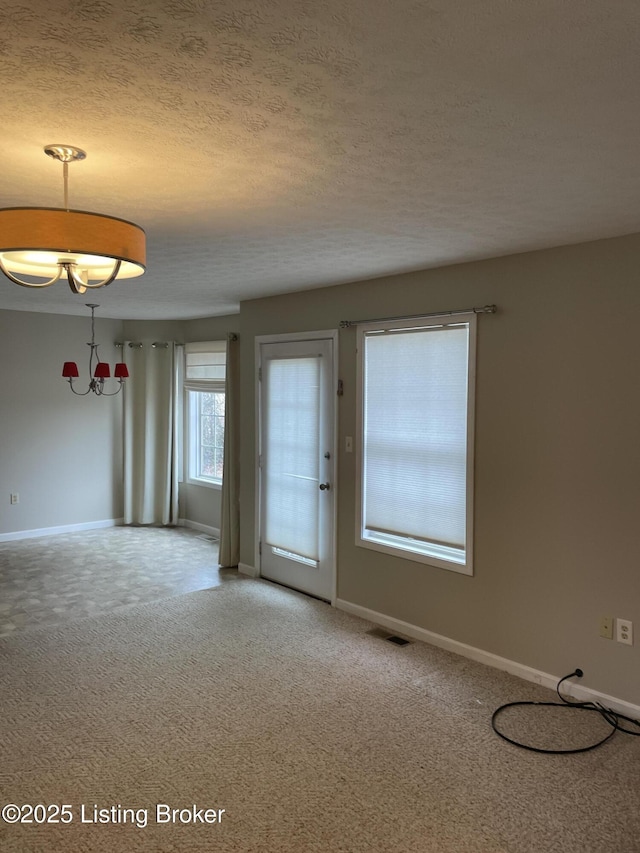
[272, 147]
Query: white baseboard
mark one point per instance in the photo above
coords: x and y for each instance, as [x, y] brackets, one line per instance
[65, 528]
[577, 691]
[202, 528]
[246, 569]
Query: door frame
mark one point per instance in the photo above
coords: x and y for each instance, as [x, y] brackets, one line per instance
[324, 334]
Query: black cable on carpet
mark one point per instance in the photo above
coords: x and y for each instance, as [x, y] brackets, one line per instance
[613, 718]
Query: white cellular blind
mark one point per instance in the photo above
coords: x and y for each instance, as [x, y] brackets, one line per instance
[415, 386]
[290, 454]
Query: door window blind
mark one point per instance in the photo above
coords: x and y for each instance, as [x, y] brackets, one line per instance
[290, 453]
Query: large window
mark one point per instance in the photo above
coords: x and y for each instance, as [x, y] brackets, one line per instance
[416, 398]
[204, 379]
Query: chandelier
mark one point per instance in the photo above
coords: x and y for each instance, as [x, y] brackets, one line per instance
[101, 371]
[45, 243]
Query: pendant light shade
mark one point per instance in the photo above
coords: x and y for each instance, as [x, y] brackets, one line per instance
[102, 370]
[34, 241]
[70, 370]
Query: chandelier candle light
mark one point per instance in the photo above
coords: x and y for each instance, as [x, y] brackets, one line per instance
[101, 371]
[43, 243]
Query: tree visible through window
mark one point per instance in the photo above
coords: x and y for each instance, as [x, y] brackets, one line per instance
[207, 431]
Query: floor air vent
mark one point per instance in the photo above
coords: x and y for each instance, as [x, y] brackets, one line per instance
[207, 538]
[382, 634]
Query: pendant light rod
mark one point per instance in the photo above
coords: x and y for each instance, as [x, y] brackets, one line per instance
[65, 154]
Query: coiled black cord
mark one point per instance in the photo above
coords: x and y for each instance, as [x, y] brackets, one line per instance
[613, 718]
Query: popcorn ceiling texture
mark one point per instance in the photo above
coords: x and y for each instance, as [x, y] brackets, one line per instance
[274, 147]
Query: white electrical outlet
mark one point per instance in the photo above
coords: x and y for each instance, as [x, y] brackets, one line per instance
[15, 498]
[624, 631]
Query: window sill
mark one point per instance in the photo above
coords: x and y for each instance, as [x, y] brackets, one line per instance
[461, 567]
[191, 481]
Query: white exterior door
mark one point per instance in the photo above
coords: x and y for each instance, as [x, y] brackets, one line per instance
[296, 464]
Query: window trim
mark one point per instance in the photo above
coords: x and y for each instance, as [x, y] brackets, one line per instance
[464, 567]
[190, 449]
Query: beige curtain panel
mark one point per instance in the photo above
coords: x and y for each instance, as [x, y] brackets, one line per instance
[230, 510]
[150, 435]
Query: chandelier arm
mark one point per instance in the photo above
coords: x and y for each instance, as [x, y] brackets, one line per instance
[78, 393]
[109, 279]
[76, 288]
[77, 284]
[112, 393]
[16, 280]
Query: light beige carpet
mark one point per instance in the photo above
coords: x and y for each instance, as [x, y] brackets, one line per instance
[310, 733]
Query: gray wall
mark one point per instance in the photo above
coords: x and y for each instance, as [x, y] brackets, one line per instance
[557, 456]
[61, 453]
